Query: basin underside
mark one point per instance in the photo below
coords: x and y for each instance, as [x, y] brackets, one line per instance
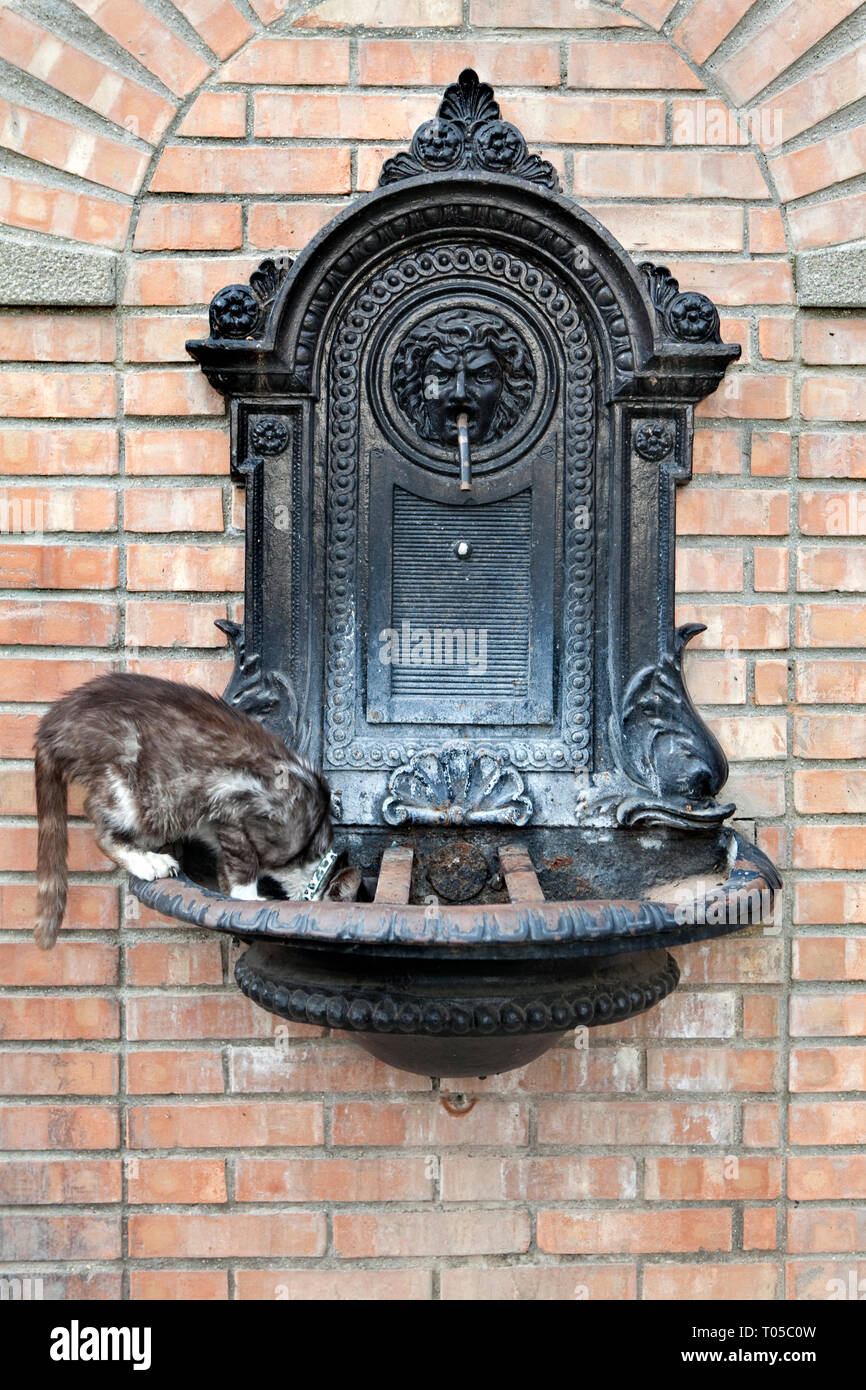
[486, 983]
[454, 1017]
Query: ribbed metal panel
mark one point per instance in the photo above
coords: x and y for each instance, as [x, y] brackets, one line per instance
[484, 597]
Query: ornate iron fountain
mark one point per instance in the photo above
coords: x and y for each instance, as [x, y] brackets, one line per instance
[460, 417]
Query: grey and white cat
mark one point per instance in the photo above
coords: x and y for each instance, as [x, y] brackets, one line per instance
[163, 762]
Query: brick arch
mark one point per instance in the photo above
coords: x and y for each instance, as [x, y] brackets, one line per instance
[733, 51]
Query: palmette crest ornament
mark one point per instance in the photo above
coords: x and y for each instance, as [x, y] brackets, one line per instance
[469, 133]
[456, 785]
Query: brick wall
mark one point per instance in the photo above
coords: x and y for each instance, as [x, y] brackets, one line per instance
[163, 1137]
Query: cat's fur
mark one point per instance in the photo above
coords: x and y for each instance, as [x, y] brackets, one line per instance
[160, 763]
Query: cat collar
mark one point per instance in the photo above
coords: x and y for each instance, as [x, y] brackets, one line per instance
[320, 875]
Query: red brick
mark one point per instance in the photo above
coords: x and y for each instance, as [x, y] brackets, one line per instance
[828, 1069]
[778, 43]
[211, 675]
[831, 682]
[815, 1229]
[728, 1178]
[173, 509]
[634, 1232]
[46, 623]
[634, 1122]
[475, 1283]
[398, 1125]
[58, 1074]
[572, 1178]
[174, 1073]
[760, 1231]
[68, 395]
[54, 1237]
[766, 231]
[828, 1015]
[761, 1020]
[54, 508]
[831, 568]
[175, 391]
[178, 1285]
[776, 339]
[334, 1285]
[744, 396]
[220, 115]
[827, 224]
[707, 1282]
[830, 736]
[707, 23]
[186, 567]
[153, 1181]
[137, 29]
[64, 213]
[60, 1182]
[827, 1122]
[760, 1125]
[832, 624]
[735, 282]
[826, 901]
[62, 145]
[707, 571]
[556, 14]
[407, 63]
[771, 682]
[83, 78]
[833, 398]
[729, 512]
[770, 569]
[80, 963]
[731, 626]
[51, 1016]
[253, 169]
[177, 451]
[298, 62]
[316, 1069]
[211, 1124]
[45, 337]
[161, 337]
[832, 456]
[805, 103]
[193, 226]
[717, 451]
[333, 1180]
[669, 174]
[833, 160]
[565, 1069]
[830, 958]
[220, 24]
[826, 1179]
[46, 679]
[359, 1235]
[18, 850]
[667, 228]
[225, 1235]
[186, 963]
[46, 450]
[183, 281]
[190, 1016]
[834, 342]
[88, 906]
[829, 846]
[606, 63]
[832, 1279]
[707, 1069]
[58, 1127]
[289, 225]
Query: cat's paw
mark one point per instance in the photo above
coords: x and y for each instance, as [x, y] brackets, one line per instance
[248, 892]
[147, 864]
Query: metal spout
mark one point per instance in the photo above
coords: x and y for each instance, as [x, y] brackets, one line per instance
[463, 450]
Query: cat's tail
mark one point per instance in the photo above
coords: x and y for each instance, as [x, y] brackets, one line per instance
[51, 850]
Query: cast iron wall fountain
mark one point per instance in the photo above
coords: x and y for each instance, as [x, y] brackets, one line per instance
[461, 415]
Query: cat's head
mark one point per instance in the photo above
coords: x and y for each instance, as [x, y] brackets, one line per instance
[286, 819]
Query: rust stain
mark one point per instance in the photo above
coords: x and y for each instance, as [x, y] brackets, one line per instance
[459, 1106]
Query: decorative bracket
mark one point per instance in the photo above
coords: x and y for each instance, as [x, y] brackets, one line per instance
[666, 748]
